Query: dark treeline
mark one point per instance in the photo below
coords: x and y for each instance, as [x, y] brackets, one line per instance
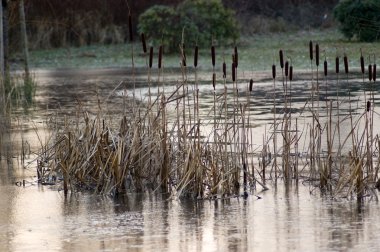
[299, 13]
[56, 23]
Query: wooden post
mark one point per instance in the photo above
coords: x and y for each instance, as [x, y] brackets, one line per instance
[24, 37]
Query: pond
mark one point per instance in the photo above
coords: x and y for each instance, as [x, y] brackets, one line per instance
[293, 217]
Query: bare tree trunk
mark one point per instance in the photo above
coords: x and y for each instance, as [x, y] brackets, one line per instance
[24, 37]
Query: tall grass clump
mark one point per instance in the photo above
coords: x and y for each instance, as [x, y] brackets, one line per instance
[169, 142]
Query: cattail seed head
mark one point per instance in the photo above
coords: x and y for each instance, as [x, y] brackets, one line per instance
[274, 71]
[213, 55]
[143, 41]
[317, 54]
[291, 73]
[370, 72]
[281, 59]
[224, 70]
[368, 106]
[345, 61]
[325, 67]
[286, 68]
[183, 55]
[213, 80]
[250, 85]
[130, 27]
[150, 57]
[196, 56]
[233, 72]
[362, 64]
[236, 56]
[337, 65]
[311, 49]
[374, 72]
[160, 56]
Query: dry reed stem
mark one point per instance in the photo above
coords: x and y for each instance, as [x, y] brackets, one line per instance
[150, 151]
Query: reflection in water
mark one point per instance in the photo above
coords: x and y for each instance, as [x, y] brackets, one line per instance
[283, 219]
[39, 218]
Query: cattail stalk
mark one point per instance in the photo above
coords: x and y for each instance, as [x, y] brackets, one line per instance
[274, 122]
[143, 41]
[311, 50]
[213, 55]
[362, 63]
[337, 65]
[233, 68]
[317, 55]
[286, 68]
[183, 55]
[374, 72]
[150, 57]
[160, 57]
[370, 72]
[224, 70]
[236, 56]
[345, 61]
[213, 80]
[281, 59]
[130, 28]
[196, 56]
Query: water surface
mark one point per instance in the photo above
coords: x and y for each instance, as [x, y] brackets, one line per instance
[40, 218]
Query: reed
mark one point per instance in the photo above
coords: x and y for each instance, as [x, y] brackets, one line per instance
[143, 42]
[174, 145]
[130, 27]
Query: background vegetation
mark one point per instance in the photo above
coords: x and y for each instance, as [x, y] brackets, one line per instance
[360, 19]
[197, 22]
[56, 23]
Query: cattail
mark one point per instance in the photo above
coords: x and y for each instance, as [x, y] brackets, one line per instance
[130, 27]
[374, 72]
[183, 55]
[233, 72]
[160, 57]
[286, 68]
[311, 49]
[291, 73]
[337, 65]
[368, 106]
[274, 71]
[362, 63]
[281, 59]
[317, 54]
[150, 57]
[196, 56]
[213, 55]
[250, 85]
[143, 42]
[345, 60]
[370, 72]
[224, 70]
[213, 80]
[236, 57]
[325, 67]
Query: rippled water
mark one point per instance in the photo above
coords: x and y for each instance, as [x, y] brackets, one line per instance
[40, 218]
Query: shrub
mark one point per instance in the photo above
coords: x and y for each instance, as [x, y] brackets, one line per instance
[159, 24]
[199, 20]
[360, 19]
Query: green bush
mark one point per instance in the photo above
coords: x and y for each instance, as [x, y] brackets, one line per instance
[199, 20]
[359, 18]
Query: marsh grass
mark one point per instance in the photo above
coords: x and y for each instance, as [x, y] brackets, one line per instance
[162, 144]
